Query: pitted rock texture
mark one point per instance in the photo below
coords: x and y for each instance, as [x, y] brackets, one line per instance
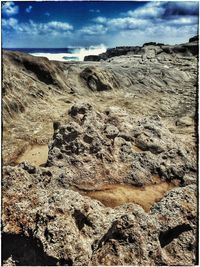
[176, 213]
[97, 148]
[62, 227]
[119, 186]
[73, 229]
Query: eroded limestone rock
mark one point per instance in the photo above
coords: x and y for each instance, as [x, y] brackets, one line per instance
[123, 132]
[94, 148]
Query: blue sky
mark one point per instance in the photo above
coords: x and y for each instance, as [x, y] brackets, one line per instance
[65, 24]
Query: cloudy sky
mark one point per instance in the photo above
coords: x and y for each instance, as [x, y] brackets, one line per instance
[65, 24]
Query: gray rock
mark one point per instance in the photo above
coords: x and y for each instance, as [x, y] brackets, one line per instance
[111, 131]
[127, 139]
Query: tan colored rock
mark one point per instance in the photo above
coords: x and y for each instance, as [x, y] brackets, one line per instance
[120, 131]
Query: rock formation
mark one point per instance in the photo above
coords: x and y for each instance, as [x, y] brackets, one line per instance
[119, 184]
[187, 49]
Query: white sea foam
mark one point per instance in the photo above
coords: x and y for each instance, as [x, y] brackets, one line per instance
[77, 54]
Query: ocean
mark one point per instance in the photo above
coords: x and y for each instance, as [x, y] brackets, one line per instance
[63, 54]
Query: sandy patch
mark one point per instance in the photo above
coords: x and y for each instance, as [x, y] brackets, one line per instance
[35, 154]
[118, 194]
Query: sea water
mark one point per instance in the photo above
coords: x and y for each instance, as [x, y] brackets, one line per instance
[63, 54]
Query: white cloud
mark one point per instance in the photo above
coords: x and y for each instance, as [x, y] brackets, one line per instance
[181, 21]
[10, 9]
[100, 19]
[105, 25]
[166, 22]
[10, 23]
[94, 29]
[164, 9]
[150, 10]
[28, 9]
[163, 32]
[33, 28]
[150, 17]
[126, 23]
[56, 25]
[160, 33]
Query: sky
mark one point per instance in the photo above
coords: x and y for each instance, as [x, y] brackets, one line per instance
[59, 24]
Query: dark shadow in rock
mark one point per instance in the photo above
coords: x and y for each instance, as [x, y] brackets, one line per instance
[28, 251]
[116, 234]
[81, 219]
[41, 71]
[168, 236]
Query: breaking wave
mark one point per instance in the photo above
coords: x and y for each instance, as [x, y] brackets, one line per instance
[69, 54]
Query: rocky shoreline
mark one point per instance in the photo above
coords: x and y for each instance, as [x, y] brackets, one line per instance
[187, 49]
[119, 184]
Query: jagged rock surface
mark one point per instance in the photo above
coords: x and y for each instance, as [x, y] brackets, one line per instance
[62, 227]
[97, 148]
[114, 128]
[36, 90]
[186, 49]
